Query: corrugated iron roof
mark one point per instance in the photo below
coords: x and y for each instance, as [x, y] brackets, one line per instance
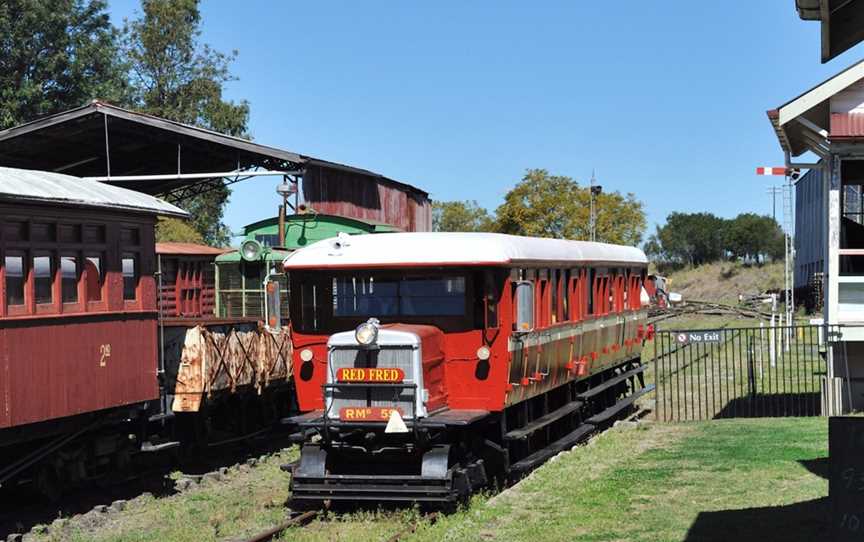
[847, 125]
[78, 130]
[190, 249]
[58, 189]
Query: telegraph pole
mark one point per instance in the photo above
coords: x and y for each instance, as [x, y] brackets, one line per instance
[773, 191]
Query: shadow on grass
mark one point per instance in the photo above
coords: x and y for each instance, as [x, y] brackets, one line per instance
[821, 467]
[802, 521]
[775, 405]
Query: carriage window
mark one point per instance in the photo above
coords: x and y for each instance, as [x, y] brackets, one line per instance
[93, 277]
[69, 271]
[43, 279]
[553, 315]
[130, 277]
[14, 280]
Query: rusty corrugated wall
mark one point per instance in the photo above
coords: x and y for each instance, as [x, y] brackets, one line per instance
[354, 195]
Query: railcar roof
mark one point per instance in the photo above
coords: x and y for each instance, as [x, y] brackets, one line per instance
[455, 249]
[27, 185]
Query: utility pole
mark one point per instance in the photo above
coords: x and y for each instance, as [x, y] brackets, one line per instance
[773, 191]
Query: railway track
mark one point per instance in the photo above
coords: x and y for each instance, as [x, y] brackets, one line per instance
[20, 510]
[298, 520]
[707, 308]
[304, 518]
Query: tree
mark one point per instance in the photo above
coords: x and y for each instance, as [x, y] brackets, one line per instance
[545, 205]
[753, 237]
[460, 216]
[173, 230]
[56, 55]
[174, 77]
[692, 238]
[653, 248]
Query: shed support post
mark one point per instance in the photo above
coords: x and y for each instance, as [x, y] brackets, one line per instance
[832, 390]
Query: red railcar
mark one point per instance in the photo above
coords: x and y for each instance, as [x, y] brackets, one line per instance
[430, 363]
[78, 320]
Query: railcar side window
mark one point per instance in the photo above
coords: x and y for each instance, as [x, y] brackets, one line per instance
[69, 272]
[93, 277]
[43, 279]
[14, 280]
[130, 277]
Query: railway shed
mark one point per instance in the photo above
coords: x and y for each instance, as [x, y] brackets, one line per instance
[827, 122]
[176, 161]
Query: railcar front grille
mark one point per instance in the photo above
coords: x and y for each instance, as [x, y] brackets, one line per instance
[400, 357]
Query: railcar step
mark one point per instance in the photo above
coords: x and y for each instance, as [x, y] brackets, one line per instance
[556, 447]
[147, 447]
[619, 406]
[611, 382]
[543, 421]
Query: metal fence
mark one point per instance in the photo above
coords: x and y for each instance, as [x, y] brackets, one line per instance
[738, 372]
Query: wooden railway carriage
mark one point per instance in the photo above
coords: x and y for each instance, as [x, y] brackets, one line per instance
[78, 321]
[431, 363]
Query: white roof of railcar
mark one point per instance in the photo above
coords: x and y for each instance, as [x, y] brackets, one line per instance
[455, 249]
[27, 185]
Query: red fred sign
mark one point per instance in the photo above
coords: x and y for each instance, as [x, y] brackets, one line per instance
[366, 414]
[372, 374]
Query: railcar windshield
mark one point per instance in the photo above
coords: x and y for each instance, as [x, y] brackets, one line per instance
[340, 300]
[361, 295]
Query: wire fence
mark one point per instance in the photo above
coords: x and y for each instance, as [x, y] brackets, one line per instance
[739, 372]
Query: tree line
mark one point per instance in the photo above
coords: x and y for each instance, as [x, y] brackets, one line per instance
[59, 54]
[546, 205]
[699, 238]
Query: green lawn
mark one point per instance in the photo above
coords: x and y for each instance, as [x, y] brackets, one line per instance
[737, 480]
[743, 480]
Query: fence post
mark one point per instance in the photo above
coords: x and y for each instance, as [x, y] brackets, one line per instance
[751, 370]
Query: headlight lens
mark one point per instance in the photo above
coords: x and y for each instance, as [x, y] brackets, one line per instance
[483, 353]
[251, 250]
[366, 333]
[306, 355]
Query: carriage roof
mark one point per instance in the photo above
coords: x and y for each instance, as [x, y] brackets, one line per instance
[457, 249]
[32, 186]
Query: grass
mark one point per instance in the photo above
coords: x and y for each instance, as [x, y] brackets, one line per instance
[722, 282]
[722, 480]
[725, 480]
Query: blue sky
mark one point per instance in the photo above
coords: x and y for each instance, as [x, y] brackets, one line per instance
[664, 99]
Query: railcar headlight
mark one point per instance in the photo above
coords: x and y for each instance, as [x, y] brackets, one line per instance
[305, 355]
[367, 332]
[483, 353]
[251, 250]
